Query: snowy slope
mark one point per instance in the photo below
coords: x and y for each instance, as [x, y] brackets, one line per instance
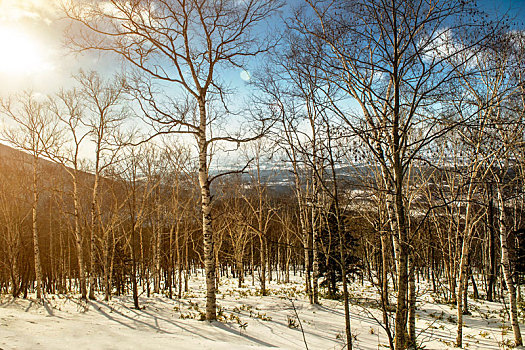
[247, 321]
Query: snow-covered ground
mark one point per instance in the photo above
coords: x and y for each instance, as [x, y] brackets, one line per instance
[247, 321]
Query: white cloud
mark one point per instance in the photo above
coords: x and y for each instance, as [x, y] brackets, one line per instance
[440, 45]
[16, 10]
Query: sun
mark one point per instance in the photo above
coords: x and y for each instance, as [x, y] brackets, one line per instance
[21, 54]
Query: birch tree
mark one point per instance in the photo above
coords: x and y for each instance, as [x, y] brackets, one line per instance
[386, 57]
[504, 77]
[35, 131]
[69, 111]
[183, 45]
[489, 84]
[13, 212]
[104, 116]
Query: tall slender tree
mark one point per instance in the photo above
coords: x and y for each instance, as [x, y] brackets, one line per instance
[386, 57]
[184, 45]
[35, 131]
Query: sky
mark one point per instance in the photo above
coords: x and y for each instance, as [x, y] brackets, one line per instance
[33, 55]
[31, 46]
[513, 7]
[33, 52]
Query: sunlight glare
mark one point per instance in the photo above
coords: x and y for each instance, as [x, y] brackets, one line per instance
[20, 54]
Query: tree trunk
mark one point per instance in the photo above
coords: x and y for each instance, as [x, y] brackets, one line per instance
[158, 239]
[186, 266]
[263, 263]
[252, 263]
[92, 250]
[412, 304]
[385, 247]
[36, 245]
[491, 283]
[315, 258]
[240, 271]
[207, 233]
[170, 263]
[507, 274]
[402, 265]
[106, 265]
[111, 264]
[461, 286]
[344, 280]
[78, 239]
[288, 256]
[135, 291]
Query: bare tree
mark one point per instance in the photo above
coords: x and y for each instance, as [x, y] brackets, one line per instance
[503, 78]
[13, 212]
[35, 131]
[489, 83]
[181, 200]
[184, 44]
[104, 117]
[68, 109]
[384, 56]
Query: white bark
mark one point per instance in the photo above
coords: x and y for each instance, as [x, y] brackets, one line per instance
[36, 245]
[207, 230]
[505, 262]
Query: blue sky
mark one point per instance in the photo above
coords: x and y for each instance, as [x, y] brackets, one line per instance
[33, 55]
[513, 7]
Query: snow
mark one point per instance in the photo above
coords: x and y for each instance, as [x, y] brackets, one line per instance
[247, 321]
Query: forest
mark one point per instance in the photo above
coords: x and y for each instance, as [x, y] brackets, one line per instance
[370, 143]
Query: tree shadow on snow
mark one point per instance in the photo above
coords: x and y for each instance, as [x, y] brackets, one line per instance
[151, 322]
[250, 338]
